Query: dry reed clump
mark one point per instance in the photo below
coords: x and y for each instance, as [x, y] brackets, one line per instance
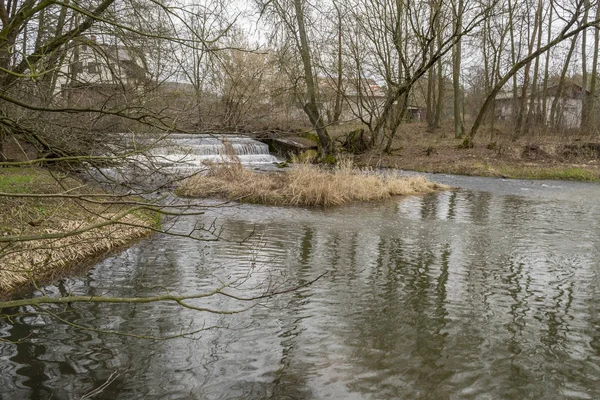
[38, 261]
[303, 185]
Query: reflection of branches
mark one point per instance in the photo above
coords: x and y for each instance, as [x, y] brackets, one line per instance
[101, 388]
[180, 300]
[43, 306]
[183, 334]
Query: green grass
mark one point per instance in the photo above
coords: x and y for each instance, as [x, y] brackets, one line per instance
[17, 180]
[558, 173]
[34, 180]
[152, 218]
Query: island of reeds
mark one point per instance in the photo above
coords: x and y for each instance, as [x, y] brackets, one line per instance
[302, 185]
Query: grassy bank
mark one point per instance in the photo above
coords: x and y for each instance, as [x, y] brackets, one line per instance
[486, 167]
[303, 185]
[44, 220]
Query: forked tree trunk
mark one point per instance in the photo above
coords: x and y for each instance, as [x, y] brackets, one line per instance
[523, 98]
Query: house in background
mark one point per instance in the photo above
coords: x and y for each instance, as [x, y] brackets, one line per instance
[90, 65]
[569, 106]
[359, 99]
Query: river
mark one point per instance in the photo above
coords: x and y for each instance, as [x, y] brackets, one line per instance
[491, 291]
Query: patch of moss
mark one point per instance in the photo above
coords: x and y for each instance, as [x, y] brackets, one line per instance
[306, 157]
[467, 143]
[310, 136]
[329, 159]
[152, 218]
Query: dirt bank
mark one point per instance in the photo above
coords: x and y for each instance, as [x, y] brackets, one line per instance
[541, 156]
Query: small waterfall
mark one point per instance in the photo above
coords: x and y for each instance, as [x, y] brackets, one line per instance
[180, 155]
[184, 150]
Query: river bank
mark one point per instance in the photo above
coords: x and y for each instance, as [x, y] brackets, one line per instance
[512, 160]
[49, 229]
[495, 154]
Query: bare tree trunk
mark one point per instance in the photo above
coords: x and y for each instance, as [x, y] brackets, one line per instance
[591, 104]
[398, 117]
[49, 80]
[555, 112]
[440, 77]
[523, 99]
[513, 56]
[486, 61]
[311, 108]
[456, 50]
[547, 71]
[337, 108]
[430, 96]
[584, 73]
[531, 111]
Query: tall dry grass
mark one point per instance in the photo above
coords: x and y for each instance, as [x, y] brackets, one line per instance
[36, 262]
[25, 264]
[303, 185]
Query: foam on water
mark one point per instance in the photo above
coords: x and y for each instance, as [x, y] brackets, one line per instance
[183, 150]
[180, 155]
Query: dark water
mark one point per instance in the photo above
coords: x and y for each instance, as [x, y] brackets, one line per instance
[489, 292]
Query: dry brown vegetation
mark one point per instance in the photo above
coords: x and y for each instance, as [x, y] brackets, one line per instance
[302, 185]
[35, 262]
[51, 254]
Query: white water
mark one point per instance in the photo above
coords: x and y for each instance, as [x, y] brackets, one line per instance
[180, 155]
[192, 151]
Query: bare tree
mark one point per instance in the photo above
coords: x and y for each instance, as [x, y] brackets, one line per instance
[591, 102]
[290, 17]
[458, 11]
[572, 27]
[58, 84]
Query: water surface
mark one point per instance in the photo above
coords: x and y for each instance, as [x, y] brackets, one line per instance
[488, 292]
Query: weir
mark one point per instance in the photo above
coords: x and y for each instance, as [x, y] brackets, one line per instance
[162, 160]
[189, 150]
